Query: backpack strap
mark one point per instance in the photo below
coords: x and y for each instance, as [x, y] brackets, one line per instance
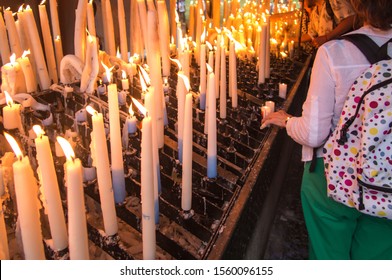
[368, 47]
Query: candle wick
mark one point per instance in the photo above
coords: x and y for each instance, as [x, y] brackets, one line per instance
[73, 159]
[20, 157]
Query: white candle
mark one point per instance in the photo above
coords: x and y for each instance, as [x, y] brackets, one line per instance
[91, 67]
[13, 79]
[186, 196]
[267, 71]
[48, 43]
[50, 186]
[181, 92]
[147, 191]
[91, 18]
[211, 141]
[282, 90]
[203, 77]
[12, 33]
[77, 227]
[4, 47]
[222, 96]
[42, 70]
[26, 191]
[217, 65]
[262, 54]
[216, 12]
[117, 163]
[143, 19]
[122, 30]
[11, 114]
[124, 81]
[270, 104]
[265, 111]
[233, 76]
[80, 30]
[24, 62]
[164, 35]
[131, 122]
[103, 173]
[58, 51]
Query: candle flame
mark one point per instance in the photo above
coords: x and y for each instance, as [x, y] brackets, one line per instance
[20, 8]
[13, 58]
[209, 45]
[283, 54]
[108, 71]
[27, 8]
[25, 53]
[140, 107]
[91, 1]
[203, 36]
[176, 61]
[38, 130]
[186, 81]
[58, 38]
[8, 99]
[209, 68]
[201, 12]
[8, 9]
[14, 145]
[218, 30]
[124, 74]
[67, 148]
[43, 2]
[91, 110]
[130, 110]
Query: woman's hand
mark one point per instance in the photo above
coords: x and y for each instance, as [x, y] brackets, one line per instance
[278, 118]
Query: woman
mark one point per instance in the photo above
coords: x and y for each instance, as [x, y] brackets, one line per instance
[336, 231]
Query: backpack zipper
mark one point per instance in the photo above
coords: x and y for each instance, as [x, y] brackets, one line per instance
[385, 188]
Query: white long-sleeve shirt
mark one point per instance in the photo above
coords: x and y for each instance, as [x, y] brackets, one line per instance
[337, 65]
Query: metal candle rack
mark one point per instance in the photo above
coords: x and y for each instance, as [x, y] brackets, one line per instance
[242, 151]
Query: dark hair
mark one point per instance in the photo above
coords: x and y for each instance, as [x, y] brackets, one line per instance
[377, 13]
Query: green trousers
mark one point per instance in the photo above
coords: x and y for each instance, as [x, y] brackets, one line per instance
[338, 232]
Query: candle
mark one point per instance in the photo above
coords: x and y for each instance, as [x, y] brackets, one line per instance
[117, 162]
[80, 30]
[216, 12]
[101, 162]
[12, 33]
[222, 96]
[262, 54]
[91, 67]
[11, 114]
[143, 19]
[186, 196]
[267, 71]
[271, 105]
[124, 81]
[13, 79]
[50, 186]
[42, 70]
[203, 78]
[164, 35]
[122, 30]
[265, 111]
[217, 64]
[58, 51]
[282, 90]
[233, 76]
[48, 44]
[26, 191]
[77, 227]
[131, 122]
[91, 18]
[181, 92]
[4, 47]
[24, 62]
[147, 190]
[291, 49]
[191, 28]
[211, 141]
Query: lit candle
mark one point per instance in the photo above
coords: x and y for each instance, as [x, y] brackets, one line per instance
[58, 51]
[42, 70]
[267, 71]
[13, 79]
[186, 196]
[271, 105]
[282, 90]
[91, 18]
[211, 141]
[262, 54]
[11, 114]
[24, 62]
[26, 191]
[77, 227]
[147, 188]
[50, 186]
[91, 67]
[131, 121]
[143, 19]
[12, 33]
[101, 162]
[4, 47]
[181, 92]
[117, 162]
[122, 30]
[217, 64]
[216, 12]
[124, 81]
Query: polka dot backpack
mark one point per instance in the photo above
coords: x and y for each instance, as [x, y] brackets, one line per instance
[358, 154]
